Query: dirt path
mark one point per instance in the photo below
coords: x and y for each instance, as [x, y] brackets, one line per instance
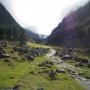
[73, 71]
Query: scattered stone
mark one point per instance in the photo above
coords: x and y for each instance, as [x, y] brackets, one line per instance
[46, 64]
[29, 57]
[16, 87]
[40, 65]
[45, 71]
[11, 77]
[87, 77]
[4, 55]
[80, 64]
[41, 88]
[60, 70]
[66, 57]
[12, 51]
[52, 74]
[39, 72]
[6, 60]
[32, 72]
[20, 49]
[87, 51]
[77, 59]
[1, 48]
[84, 60]
[88, 65]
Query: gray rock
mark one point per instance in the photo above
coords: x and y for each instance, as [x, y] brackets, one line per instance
[20, 49]
[60, 70]
[29, 57]
[41, 88]
[16, 87]
[52, 74]
[80, 64]
[66, 57]
[4, 55]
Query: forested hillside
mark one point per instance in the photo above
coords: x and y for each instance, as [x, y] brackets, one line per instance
[9, 28]
[74, 30]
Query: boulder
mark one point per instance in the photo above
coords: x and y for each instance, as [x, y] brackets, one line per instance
[45, 71]
[4, 55]
[87, 77]
[76, 58]
[34, 52]
[29, 57]
[88, 65]
[60, 70]
[41, 88]
[20, 49]
[16, 87]
[52, 74]
[80, 64]
[84, 60]
[46, 64]
[66, 57]
[1, 48]
[87, 51]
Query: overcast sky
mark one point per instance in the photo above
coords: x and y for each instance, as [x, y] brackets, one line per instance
[41, 16]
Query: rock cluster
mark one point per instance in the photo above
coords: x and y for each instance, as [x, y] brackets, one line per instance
[74, 54]
[30, 53]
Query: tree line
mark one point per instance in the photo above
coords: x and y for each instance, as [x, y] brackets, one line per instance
[12, 33]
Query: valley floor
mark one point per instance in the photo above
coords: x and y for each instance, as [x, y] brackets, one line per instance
[63, 65]
[27, 75]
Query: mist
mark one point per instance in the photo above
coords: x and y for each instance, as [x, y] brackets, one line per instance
[41, 16]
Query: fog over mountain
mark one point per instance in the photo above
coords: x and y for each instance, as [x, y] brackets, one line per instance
[12, 28]
[74, 30]
[44, 15]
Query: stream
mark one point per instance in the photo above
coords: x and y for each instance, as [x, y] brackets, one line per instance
[73, 71]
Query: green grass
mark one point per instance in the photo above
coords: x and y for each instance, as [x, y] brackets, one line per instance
[34, 45]
[71, 62]
[85, 69]
[18, 72]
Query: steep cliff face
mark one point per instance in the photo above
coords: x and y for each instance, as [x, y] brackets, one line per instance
[74, 30]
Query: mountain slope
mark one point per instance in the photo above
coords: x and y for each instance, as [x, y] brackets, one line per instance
[74, 30]
[9, 28]
[6, 18]
[34, 36]
[8, 24]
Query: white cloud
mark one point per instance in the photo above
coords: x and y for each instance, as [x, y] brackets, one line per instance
[44, 15]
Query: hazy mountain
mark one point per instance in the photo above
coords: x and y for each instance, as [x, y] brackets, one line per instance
[34, 36]
[6, 18]
[74, 30]
[8, 23]
[9, 28]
